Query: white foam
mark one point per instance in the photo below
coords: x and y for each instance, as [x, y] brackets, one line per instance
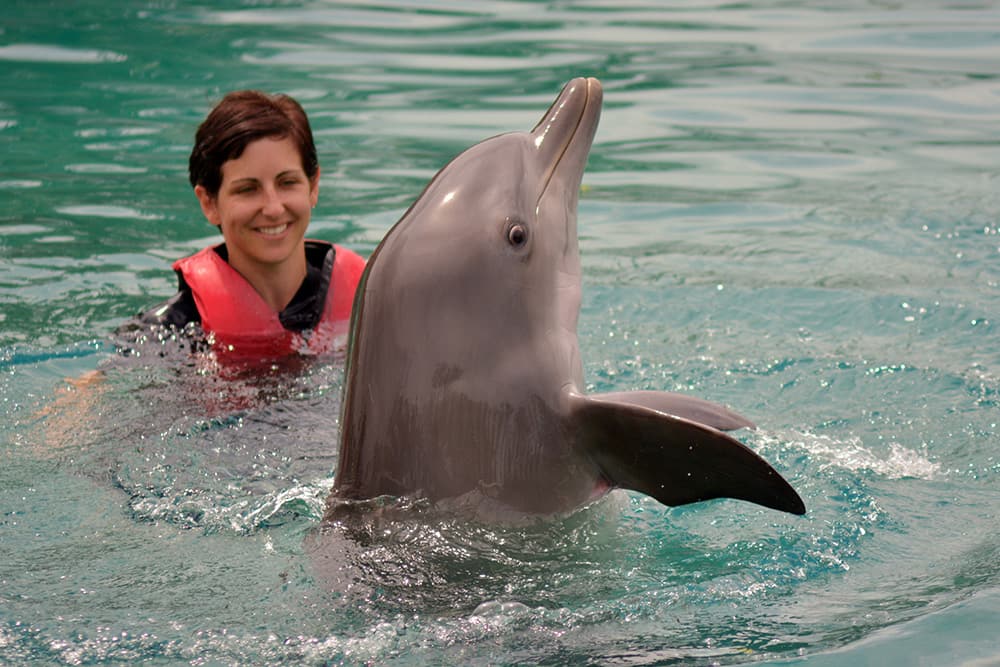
[851, 454]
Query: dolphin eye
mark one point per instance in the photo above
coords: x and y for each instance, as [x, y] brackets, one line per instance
[517, 235]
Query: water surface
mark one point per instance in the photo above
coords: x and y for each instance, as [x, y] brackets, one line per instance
[791, 208]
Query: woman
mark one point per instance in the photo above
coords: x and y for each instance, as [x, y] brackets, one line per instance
[266, 291]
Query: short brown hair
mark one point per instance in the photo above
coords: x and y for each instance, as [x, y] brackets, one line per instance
[241, 117]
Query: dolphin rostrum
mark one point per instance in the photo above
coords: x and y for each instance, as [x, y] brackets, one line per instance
[464, 374]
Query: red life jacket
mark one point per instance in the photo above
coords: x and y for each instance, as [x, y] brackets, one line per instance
[244, 327]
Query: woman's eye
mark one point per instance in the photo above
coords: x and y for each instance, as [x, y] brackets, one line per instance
[517, 235]
[243, 188]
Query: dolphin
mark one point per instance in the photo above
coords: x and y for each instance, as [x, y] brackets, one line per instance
[463, 375]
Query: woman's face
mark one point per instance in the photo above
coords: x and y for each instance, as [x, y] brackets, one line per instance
[263, 205]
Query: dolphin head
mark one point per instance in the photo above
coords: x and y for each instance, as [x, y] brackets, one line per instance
[487, 256]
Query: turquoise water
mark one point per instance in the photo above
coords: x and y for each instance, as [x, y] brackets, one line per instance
[791, 208]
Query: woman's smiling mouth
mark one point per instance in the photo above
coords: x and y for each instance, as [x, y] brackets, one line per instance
[273, 231]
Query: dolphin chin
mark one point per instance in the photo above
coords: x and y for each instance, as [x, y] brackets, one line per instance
[463, 371]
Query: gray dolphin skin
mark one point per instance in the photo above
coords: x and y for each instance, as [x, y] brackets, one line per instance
[464, 377]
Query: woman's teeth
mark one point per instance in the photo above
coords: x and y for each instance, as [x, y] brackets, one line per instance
[273, 231]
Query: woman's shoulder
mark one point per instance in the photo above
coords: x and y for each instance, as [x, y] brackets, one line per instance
[178, 311]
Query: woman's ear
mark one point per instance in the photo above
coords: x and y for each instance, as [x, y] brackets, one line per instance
[209, 205]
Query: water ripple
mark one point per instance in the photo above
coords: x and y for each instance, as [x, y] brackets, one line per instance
[54, 53]
[790, 208]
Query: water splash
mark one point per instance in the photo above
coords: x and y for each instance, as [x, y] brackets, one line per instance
[853, 455]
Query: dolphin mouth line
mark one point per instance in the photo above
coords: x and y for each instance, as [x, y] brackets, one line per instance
[588, 101]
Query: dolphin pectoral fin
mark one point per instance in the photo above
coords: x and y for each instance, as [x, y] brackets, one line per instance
[674, 460]
[683, 406]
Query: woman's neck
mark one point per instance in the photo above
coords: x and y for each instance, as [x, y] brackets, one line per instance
[276, 283]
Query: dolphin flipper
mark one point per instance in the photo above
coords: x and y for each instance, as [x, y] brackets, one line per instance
[674, 460]
[683, 406]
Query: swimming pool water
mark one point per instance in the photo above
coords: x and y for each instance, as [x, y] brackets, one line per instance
[790, 208]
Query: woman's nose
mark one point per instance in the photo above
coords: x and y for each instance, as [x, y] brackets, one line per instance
[273, 206]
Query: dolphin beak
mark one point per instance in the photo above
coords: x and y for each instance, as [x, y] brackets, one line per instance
[566, 131]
